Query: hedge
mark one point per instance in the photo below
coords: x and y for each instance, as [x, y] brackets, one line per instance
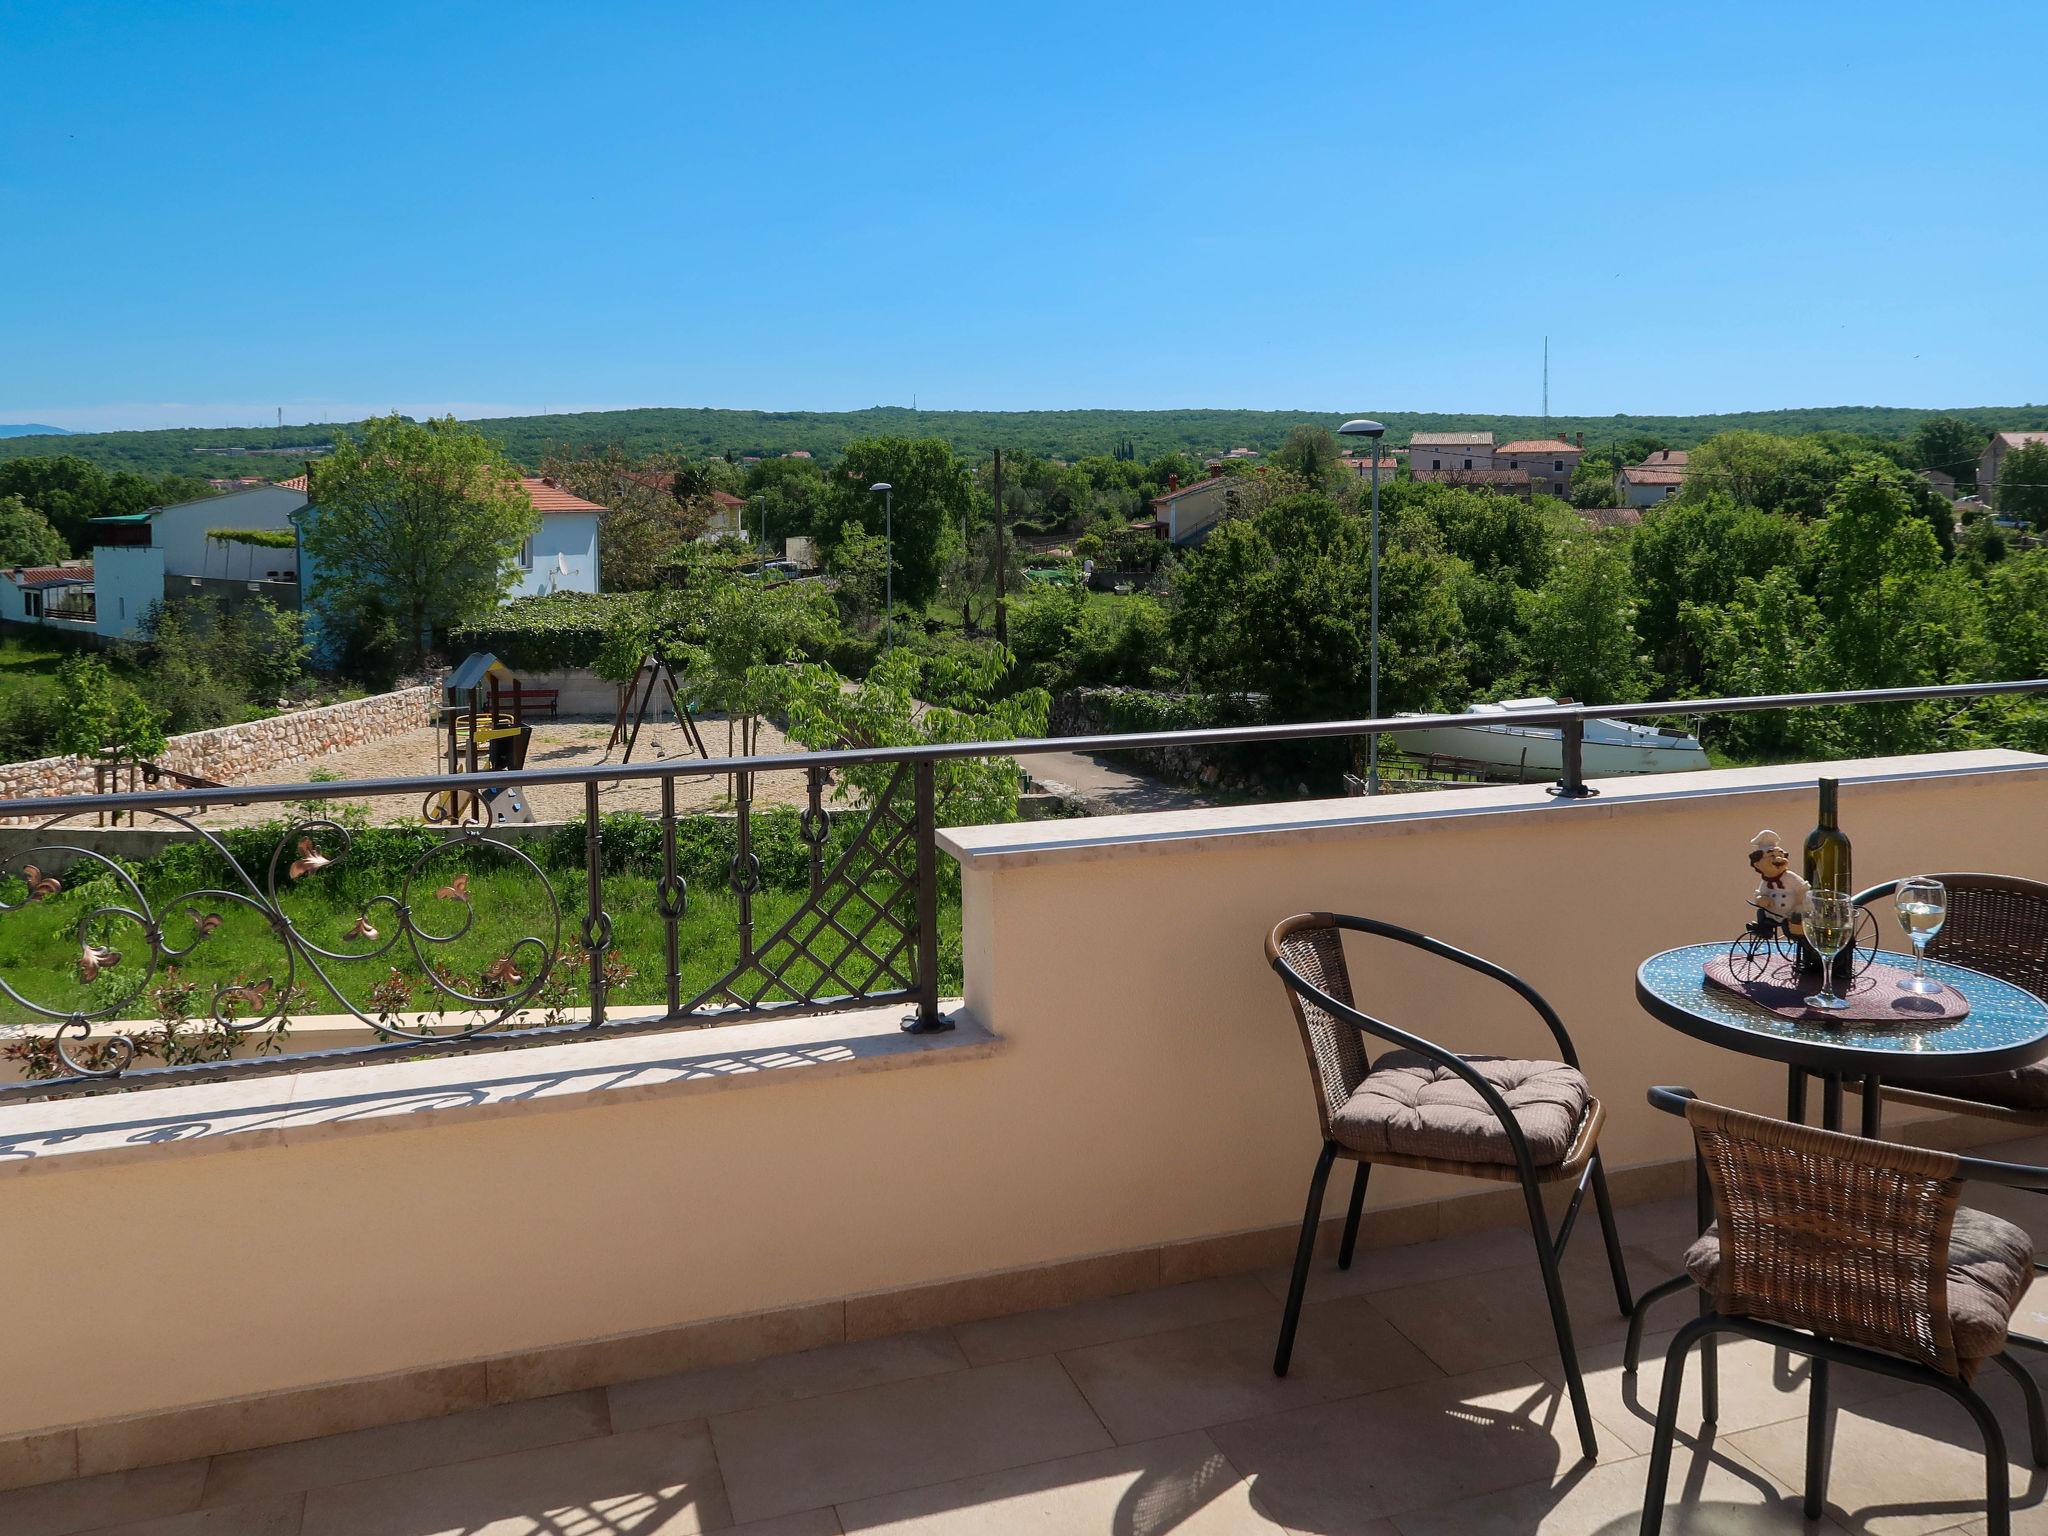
[262, 538]
[553, 633]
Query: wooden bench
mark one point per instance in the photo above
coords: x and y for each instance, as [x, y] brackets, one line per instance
[531, 701]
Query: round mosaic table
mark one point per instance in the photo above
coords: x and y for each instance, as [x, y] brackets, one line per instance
[2006, 1027]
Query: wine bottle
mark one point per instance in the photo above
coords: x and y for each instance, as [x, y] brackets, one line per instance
[1828, 869]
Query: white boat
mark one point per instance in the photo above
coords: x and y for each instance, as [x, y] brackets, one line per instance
[1536, 752]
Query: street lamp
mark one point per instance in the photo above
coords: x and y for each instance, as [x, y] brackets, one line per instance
[889, 575]
[1372, 429]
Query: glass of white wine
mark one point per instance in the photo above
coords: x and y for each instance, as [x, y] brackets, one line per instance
[1830, 923]
[1923, 907]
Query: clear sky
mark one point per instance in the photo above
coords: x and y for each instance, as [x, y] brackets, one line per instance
[212, 210]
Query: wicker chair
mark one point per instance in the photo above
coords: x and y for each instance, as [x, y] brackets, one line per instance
[1851, 1251]
[1997, 924]
[1421, 1106]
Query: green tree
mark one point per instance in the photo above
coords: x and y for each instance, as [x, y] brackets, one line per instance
[26, 536]
[2023, 484]
[859, 566]
[2016, 596]
[1311, 454]
[783, 497]
[102, 715]
[1949, 444]
[417, 522]
[1698, 550]
[644, 523]
[1278, 605]
[70, 491]
[931, 490]
[1581, 625]
[1779, 474]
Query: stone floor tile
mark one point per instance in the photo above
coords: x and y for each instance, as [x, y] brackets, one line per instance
[812, 1522]
[906, 1434]
[783, 1378]
[1191, 1378]
[278, 1515]
[1468, 1322]
[1759, 1385]
[1905, 1465]
[110, 1498]
[1716, 1494]
[654, 1482]
[1180, 1485]
[1335, 1468]
[367, 1453]
[1114, 1317]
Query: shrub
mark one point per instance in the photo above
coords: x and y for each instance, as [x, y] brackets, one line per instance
[553, 633]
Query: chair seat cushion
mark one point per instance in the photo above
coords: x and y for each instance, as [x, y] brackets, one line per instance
[2023, 1088]
[1990, 1266]
[1409, 1106]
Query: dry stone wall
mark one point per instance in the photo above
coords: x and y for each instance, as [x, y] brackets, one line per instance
[231, 753]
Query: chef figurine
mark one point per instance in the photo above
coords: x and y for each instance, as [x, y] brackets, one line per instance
[1780, 897]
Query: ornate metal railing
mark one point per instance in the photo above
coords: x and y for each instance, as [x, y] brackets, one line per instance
[860, 929]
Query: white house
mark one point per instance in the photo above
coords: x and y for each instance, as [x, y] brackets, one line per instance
[234, 547]
[1450, 450]
[562, 555]
[55, 596]
[1186, 513]
[1658, 478]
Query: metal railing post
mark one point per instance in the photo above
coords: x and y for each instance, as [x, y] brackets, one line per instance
[597, 927]
[927, 1019]
[1571, 784]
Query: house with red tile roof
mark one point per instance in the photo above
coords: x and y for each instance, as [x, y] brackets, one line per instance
[58, 596]
[1549, 461]
[1186, 513]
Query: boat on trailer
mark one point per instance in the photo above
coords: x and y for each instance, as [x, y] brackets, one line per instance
[1510, 749]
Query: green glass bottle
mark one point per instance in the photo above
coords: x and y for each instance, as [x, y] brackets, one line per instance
[1828, 869]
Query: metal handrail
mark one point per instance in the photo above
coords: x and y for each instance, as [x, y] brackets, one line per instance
[1566, 716]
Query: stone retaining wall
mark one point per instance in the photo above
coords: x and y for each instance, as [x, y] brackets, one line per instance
[231, 753]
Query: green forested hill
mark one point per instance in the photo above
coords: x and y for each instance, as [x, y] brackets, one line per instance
[1067, 434]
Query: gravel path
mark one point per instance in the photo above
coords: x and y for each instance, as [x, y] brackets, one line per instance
[556, 744]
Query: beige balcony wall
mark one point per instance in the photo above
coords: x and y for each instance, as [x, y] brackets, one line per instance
[1144, 1089]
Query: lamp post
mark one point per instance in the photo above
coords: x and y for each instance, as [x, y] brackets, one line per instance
[1372, 429]
[889, 573]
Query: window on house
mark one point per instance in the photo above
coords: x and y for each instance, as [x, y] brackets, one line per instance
[1557, 464]
[32, 604]
[1514, 463]
[1436, 463]
[526, 554]
[1468, 463]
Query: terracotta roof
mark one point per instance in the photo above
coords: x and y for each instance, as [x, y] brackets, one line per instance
[1611, 517]
[547, 496]
[50, 575]
[1192, 485]
[1450, 439]
[1475, 476]
[1538, 445]
[1636, 474]
[1667, 458]
[296, 483]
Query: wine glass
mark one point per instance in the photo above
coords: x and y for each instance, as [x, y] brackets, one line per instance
[1923, 907]
[1830, 921]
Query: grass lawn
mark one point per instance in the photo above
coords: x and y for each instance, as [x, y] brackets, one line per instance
[40, 945]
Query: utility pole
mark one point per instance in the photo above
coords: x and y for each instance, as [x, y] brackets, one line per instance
[1002, 562]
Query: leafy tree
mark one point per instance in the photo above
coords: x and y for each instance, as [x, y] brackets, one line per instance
[1949, 444]
[1278, 605]
[783, 496]
[1582, 636]
[70, 491]
[1698, 550]
[859, 565]
[1763, 640]
[2016, 597]
[931, 492]
[1498, 535]
[203, 663]
[1593, 482]
[1311, 454]
[102, 715]
[26, 536]
[2023, 484]
[909, 700]
[420, 522]
[1778, 474]
[1875, 565]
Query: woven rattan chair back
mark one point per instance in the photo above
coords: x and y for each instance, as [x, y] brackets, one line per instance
[1997, 924]
[1313, 947]
[1831, 1233]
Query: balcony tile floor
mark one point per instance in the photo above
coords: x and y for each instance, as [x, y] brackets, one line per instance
[1425, 1400]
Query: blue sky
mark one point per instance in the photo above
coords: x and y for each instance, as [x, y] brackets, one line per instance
[214, 210]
